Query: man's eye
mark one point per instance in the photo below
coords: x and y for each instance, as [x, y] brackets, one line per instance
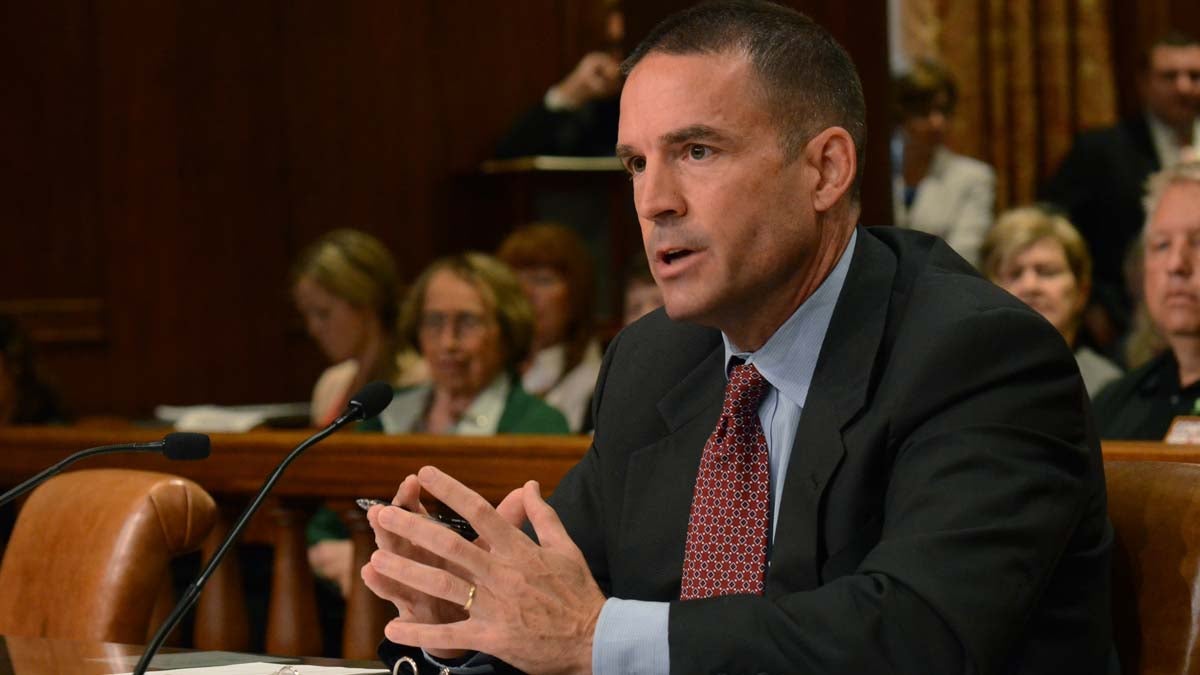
[699, 151]
[636, 165]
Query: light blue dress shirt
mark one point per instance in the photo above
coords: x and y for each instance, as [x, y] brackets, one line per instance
[631, 635]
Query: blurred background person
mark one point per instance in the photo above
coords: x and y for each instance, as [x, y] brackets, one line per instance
[935, 190]
[555, 270]
[472, 323]
[474, 326]
[1101, 181]
[1041, 258]
[346, 288]
[25, 398]
[578, 115]
[642, 294]
[1142, 404]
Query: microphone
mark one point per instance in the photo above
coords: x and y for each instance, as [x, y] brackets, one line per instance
[367, 403]
[179, 445]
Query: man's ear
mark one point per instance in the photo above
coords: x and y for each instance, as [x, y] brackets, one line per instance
[832, 154]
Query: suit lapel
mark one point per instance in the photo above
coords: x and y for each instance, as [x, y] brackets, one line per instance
[661, 476]
[1143, 142]
[839, 390]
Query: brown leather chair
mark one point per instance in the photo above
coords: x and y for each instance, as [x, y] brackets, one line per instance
[88, 557]
[1155, 511]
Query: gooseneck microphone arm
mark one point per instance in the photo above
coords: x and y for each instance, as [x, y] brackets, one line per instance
[174, 446]
[369, 402]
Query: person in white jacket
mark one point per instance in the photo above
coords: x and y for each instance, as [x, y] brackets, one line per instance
[935, 190]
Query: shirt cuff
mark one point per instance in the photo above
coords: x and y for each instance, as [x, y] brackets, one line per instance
[631, 637]
[478, 664]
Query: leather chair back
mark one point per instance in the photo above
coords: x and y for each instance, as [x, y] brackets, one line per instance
[1155, 512]
[90, 551]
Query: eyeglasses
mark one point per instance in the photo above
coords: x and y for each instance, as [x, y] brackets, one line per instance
[461, 324]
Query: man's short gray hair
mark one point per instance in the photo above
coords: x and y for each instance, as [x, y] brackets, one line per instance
[1182, 172]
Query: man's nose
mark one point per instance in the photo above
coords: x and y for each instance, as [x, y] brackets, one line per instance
[657, 195]
[1179, 260]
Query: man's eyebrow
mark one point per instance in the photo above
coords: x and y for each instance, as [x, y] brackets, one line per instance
[625, 151]
[691, 134]
[688, 134]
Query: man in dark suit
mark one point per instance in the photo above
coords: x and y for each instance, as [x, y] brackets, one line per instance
[843, 452]
[1100, 182]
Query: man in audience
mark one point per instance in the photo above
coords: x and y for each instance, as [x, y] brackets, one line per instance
[577, 116]
[886, 486]
[1142, 404]
[1101, 180]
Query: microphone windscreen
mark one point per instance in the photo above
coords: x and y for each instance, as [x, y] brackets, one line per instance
[372, 399]
[186, 445]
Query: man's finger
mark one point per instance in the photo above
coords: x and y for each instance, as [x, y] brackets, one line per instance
[459, 635]
[431, 581]
[437, 539]
[500, 535]
[550, 531]
[408, 494]
[512, 508]
[387, 588]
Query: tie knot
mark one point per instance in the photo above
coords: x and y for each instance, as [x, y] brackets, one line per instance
[745, 389]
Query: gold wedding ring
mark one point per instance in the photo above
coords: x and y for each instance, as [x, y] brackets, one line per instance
[470, 599]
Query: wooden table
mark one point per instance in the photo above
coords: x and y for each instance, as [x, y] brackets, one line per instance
[45, 656]
[339, 469]
[335, 471]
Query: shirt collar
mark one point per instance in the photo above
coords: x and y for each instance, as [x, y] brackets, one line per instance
[1166, 144]
[789, 358]
[482, 417]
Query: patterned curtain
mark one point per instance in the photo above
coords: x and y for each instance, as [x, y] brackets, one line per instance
[1031, 74]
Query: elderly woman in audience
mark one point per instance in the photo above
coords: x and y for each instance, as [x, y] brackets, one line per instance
[345, 286]
[934, 189]
[555, 270]
[1041, 258]
[474, 326]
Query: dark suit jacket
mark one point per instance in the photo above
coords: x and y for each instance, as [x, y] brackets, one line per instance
[1100, 185]
[943, 509]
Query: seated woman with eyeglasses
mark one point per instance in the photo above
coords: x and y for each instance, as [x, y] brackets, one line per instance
[472, 323]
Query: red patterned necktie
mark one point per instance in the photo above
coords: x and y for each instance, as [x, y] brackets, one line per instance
[726, 550]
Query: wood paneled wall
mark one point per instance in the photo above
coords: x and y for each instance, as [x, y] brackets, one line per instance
[168, 158]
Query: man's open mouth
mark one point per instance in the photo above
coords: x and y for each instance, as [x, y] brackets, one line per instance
[674, 254]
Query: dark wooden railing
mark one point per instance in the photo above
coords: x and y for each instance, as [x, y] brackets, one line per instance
[334, 472]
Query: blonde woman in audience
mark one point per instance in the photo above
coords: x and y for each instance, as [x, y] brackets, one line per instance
[555, 270]
[345, 286]
[473, 325]
[936, 190]
[1041, 258]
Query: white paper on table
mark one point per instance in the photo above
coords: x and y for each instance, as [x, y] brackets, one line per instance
[226, 418]
[261, 668]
